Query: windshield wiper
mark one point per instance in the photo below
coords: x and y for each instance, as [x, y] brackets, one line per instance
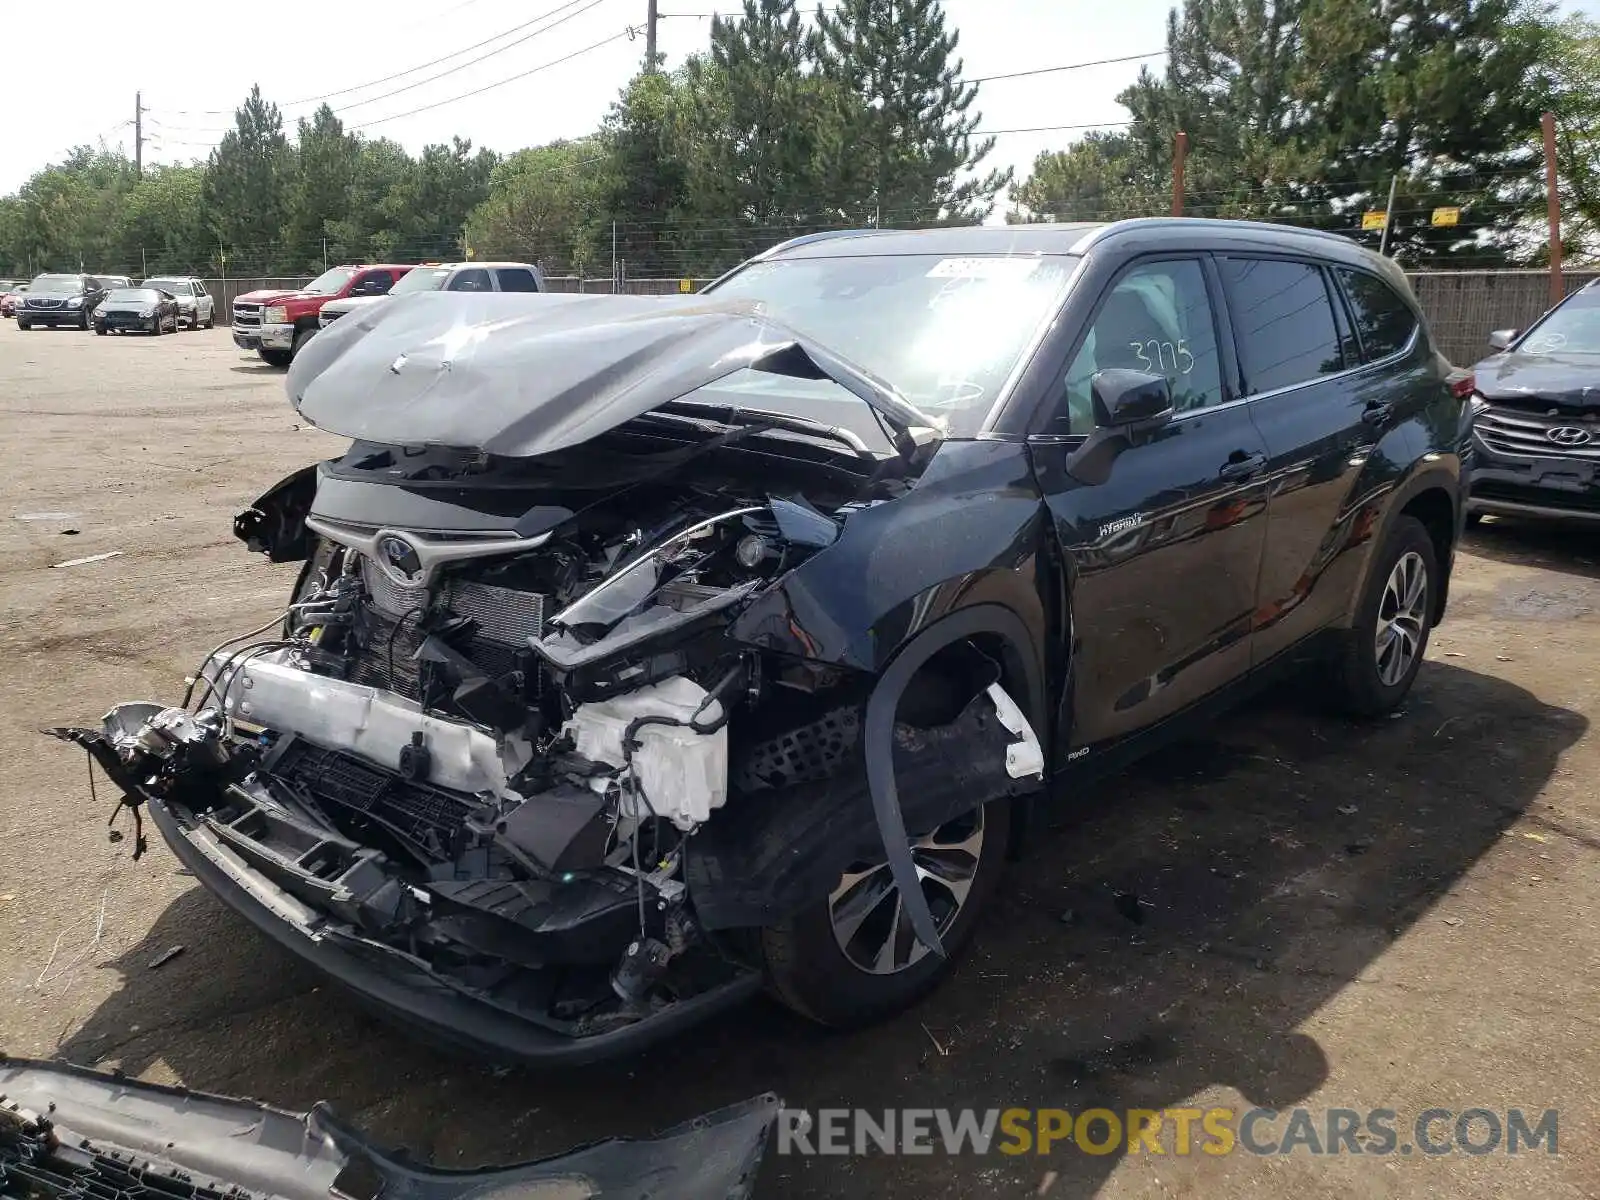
[764, 419]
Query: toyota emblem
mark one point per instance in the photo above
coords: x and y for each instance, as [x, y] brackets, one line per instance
[1569, 435]
[399, 558]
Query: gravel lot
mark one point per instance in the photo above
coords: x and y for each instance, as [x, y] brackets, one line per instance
[1397, 916]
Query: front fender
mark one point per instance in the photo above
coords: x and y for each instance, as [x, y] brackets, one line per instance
[275, 525]
[971, 532]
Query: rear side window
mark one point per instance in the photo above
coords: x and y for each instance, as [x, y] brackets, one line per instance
[516, 279]
[1282, 321]
[475, 280]
[1384, 322]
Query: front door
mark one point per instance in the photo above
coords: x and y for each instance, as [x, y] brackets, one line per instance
[1163, 531]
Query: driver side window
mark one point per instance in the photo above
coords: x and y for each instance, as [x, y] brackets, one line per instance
[1156, 319]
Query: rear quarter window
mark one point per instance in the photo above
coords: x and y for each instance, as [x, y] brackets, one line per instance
[1384, 322]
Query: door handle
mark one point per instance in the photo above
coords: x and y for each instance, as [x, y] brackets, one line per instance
[1377, 413]
[1242, 466]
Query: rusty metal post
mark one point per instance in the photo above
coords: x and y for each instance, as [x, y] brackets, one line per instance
[1180, 153]
[1553, 202]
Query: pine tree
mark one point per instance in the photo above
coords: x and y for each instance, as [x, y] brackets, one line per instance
[759, 124]
[247, 183]
[319, 196]
[908, 154]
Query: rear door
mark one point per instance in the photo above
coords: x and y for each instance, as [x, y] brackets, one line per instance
[1321, 410]
[472, 279]
[1163, 530]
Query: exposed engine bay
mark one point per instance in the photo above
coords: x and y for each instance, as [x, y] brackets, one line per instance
[533, 732]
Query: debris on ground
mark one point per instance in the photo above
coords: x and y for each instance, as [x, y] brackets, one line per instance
[166, 956]
[93, 558]
[1348, 810]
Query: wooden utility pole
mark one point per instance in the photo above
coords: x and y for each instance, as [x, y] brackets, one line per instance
[652, 16]
[1180, 154]
[138, 133]
[1558, 287]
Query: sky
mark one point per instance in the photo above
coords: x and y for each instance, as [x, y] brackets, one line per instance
[194, 64]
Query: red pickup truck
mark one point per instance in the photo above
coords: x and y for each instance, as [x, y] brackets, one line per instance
[275, 323]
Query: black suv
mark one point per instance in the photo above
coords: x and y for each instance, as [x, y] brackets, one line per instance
[60, 300]
[1537, 416]
[659, 650]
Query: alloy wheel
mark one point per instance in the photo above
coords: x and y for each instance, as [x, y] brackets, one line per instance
[1401, 614]
[868, 914]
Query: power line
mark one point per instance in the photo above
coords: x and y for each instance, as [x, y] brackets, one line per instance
[630, 32]
[1099, 62]
[361, 87]
[1048, 128]
[482, 57]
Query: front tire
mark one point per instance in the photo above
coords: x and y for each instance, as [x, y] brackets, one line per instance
[1382, 653]
[21, 324]
[301, 337]
[852, 960]
[275, 358]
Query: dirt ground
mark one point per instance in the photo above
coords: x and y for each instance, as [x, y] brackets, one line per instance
[1397, 916]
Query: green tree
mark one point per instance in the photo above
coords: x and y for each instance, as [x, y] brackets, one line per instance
[319, 196]
[164, 229]
[1100, 177]
[370, 229]
[247, 184]
[429, 207]
[644, 181]
[1573, 63]
[761, 123]
[543, 207]
[908, 153]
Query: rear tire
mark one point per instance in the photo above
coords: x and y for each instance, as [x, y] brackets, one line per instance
[810, 970]
[1380, 655]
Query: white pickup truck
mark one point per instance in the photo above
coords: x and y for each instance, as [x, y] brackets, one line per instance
[447, 277]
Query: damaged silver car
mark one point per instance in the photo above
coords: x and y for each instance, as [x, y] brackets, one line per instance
[649, 652]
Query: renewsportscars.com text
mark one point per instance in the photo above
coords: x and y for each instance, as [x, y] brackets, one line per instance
[1170, 1131]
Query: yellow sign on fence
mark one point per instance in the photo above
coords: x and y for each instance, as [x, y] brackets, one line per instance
[1374, 220]
[1446, 216]
[686, 285]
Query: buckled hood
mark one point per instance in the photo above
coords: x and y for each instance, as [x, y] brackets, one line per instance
[519, 376]
[1569, 380]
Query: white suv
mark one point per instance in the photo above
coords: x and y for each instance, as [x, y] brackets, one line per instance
[196, 306]
[447, 277]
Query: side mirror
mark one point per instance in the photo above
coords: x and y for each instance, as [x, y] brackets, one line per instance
[1500, 339]
[1130, 399]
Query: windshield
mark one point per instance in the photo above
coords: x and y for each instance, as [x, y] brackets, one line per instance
[1574, 328]
[176, 286]
[58, 283]
[133, 296]
[421, 279]
[945, 331]
[329, 282]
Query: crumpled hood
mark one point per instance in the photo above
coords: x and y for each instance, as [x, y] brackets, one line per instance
[1572, 380]
[515, 375]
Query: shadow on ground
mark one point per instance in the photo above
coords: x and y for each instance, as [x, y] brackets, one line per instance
[256, 369]
[1168, 932]
[1573, 549]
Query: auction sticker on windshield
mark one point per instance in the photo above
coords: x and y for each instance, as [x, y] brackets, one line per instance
[983, 268]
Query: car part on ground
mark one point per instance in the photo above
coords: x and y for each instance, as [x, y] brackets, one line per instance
[649, 651]
[67, 1132]
[1537, 417]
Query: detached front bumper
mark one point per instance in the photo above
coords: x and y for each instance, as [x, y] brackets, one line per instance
[277, 337]
[66, 1131]
[403, 989]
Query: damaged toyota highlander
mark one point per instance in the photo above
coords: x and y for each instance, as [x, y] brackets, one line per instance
[647, 653]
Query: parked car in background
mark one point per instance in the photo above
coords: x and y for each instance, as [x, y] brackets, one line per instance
[137, 310]
[196, 306]
[276, 323]
[1536, 402]
[11, 299]
[447, 277]
[60, 299]
[815, 616]
[111, 282]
